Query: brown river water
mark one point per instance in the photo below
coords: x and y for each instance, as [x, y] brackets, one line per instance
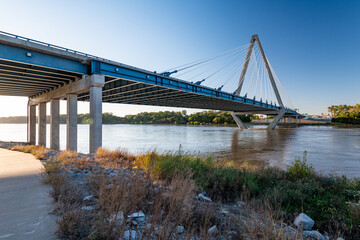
[330, 149]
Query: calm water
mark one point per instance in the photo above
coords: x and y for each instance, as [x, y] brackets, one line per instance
[330, 149]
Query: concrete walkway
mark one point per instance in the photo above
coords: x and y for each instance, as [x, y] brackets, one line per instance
[25, 203]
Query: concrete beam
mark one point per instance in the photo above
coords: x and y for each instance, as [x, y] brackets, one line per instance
[31, 124]
[42, 124]
[77, 87]
[238, 121]
[55, 124]
[277, 119]
[95, 118]
[71, 127]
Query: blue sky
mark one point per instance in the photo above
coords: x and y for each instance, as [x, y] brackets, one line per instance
[313, 45]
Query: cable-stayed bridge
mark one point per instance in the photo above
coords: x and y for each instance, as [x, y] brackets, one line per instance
[47, 73]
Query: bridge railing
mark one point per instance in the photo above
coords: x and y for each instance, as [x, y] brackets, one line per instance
[55, 47]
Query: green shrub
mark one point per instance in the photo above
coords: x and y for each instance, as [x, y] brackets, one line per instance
[300, 169]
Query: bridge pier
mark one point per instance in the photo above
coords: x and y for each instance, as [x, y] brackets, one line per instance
[92, 84]
[238, 121]
[96, 112]
[71, 122]
[277, 119]
[31, 124]
[42, 124]
[55, 124]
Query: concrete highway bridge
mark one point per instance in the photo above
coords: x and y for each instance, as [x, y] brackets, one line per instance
[47, 73]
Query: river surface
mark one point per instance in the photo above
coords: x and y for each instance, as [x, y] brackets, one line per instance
[330, 149]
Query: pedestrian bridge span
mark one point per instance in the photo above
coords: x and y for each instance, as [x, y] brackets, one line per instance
[48, 73]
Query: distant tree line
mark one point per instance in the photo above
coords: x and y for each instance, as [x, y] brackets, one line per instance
[345, 113]
[166, 117]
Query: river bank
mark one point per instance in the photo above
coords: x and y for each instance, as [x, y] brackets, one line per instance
[184, 196]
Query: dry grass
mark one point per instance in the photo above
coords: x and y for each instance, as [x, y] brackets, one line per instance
[66, 157]
[38, 151]
[71, 160]
[113, 159]
[264, 222]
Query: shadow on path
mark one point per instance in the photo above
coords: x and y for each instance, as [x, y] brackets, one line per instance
[25, 204]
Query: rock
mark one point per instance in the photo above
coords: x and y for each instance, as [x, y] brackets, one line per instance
[139, 216]
[88, 198]
[241, 204]
[109, 186]
[118, 218]
[304, 222]
[202, 197]
[313, 234]
[180, 229]
[148, 226]
[213, 231]
[290, 229]
[339, 238]
[129, 234]
[87, 208]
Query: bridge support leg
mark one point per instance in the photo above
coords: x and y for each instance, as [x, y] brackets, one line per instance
[71, 128]
[42, 124]
[54, 124]
[296, 119]
[276, 120]
[238, 121]
[31, 124]
[96, 113]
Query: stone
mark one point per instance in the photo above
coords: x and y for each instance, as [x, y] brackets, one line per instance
[339, 238]
[213, 231]
[139, 216]
[87, 208]
[241, 204]
[118, 218]
[304, 222]
[180, 229]
[148, 226]
[88, 198]
[202, 197]
[129, 234]
[313, 234]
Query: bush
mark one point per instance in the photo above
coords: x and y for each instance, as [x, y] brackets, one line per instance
[300, 169]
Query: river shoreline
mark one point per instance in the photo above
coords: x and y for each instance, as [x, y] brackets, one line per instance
[77, 174]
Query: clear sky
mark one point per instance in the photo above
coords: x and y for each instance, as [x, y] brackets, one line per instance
[313, 45]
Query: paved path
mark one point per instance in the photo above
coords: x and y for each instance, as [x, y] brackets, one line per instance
[25, 203]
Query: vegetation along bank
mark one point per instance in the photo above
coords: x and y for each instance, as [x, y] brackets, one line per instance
[114, 194]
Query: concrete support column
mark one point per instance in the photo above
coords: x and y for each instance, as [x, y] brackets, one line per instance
[54, 124]
[277, 119]
[71, 128]
[95, 118]
[238, 121]
[31, 124]
[42, 124]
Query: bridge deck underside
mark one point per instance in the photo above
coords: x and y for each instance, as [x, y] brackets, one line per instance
[20, 79]
[132, 92]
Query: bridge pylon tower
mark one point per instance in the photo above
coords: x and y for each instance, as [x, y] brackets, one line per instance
[255, 38]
